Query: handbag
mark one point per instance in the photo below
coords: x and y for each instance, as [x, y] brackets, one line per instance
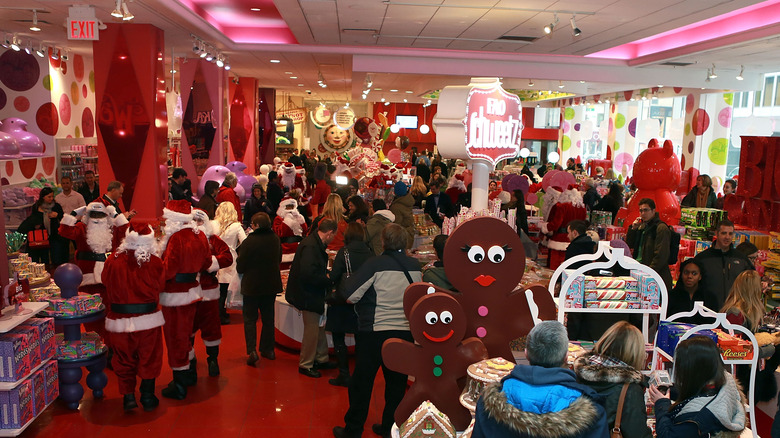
[38, 239]
[616, 432]
[335, 295]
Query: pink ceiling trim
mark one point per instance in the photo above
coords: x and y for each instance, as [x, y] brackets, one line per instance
[234, 19]
[740, 20]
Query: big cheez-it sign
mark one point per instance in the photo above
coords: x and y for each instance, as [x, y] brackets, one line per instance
[479, 121]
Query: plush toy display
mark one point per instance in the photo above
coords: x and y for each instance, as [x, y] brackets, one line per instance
[440, 356]
[657, 175]
[486, 262]
[214, 173]
[244, 180]
[29, 144]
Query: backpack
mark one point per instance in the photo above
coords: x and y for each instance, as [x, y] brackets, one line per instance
[674, 244]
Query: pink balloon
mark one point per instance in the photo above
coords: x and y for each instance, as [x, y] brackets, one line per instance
[558, 179]
[531, 198]
[394, 156]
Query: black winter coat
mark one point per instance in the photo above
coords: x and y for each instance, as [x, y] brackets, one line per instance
[258, 259]
[35, 222]
[608, 382]
[308, 282]
[341, 316]
[253, 206]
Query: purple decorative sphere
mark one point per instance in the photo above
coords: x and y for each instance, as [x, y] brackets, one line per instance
[68, 277]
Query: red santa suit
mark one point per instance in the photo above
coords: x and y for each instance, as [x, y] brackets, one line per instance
[290, 226]
[134, 277]
[185, 253]
[455, 187]
[227, 194]
[207, 309]
[564, 207]
[290, 179]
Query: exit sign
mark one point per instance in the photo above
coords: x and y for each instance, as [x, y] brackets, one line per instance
[82, 23]
[82, 29]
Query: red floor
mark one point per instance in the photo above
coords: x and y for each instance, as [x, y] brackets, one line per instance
[271, 400]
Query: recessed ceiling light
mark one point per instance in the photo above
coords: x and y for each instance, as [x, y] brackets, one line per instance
[288, 72]
[293, 77]
[275, 61]
[377, 89]
[255, 9]
[393, 91]
[408, 92]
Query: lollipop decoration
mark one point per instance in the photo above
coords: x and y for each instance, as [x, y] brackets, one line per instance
[14, 241]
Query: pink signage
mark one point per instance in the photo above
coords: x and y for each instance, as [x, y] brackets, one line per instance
[493, 124]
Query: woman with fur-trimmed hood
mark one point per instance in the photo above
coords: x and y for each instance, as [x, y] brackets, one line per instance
[543, 399]
[616, 360]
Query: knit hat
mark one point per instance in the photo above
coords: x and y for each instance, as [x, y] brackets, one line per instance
[179, 210]
[400, 189]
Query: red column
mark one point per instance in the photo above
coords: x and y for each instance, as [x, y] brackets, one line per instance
[131, 115]
[266, 114]
[242, 134]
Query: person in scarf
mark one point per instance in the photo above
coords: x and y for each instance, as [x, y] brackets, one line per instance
[46, 215]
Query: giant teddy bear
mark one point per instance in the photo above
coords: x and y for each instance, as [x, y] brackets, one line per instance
[656, 175]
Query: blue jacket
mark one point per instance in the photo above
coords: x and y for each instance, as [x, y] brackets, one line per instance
[534, 401]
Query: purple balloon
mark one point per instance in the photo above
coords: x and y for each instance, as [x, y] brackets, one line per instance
[244, 180]
[68, 278]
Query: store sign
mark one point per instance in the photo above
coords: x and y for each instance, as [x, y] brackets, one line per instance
[297, 115]
[320, 116]
[493, 124]
[82, 24]
[344, 118]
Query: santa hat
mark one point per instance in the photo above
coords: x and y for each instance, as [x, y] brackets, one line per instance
[139, 238]
[179, 210]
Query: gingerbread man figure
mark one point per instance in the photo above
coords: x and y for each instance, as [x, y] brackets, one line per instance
[485, 261]
[439, 357]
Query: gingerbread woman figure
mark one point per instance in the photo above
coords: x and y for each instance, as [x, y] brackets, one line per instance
[439, 357]
[485, 261]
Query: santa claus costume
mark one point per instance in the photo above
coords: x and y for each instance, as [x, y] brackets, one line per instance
[456, 187]
[290, 226]
[98, 233]
[290, 179]
[134, 277]
[560, 208]
[207, 313]
[185, 253]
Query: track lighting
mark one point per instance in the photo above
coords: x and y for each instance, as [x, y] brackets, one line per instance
[227, 64]
[15, 44]
[117, 12]
[575, 31]
[741, 71]
[530, 83]
[55, 54]
[550, 27]
[64, 56]
[209, 57]
[709, 75]
[6, 43]
[560, 84]
[28, 49]
[40, 52]
[34, 26]
[220, 62]
[127, 16]
[712, 74]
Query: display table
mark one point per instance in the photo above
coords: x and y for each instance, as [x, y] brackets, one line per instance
[289, 326]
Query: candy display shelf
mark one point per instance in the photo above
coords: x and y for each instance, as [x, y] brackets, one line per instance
[7, 386]
[17, 432]
[15, 320]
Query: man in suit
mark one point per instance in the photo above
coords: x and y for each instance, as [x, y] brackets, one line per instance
[438, 205]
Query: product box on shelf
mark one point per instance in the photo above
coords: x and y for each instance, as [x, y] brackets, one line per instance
[90, 344]
[607, 304]
[17, 405]
[732, 347]
[45, 327]
[669, 334]
[611, 294]
[576, 291]
[649, 291]
[14, 357]
[33, 343]
[621, 283]
[52, 381]
[39, 391]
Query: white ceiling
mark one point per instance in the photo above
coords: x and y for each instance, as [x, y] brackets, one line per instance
[436, 43]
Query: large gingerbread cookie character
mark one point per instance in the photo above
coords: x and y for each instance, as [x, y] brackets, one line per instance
[485, 261]
[439, 357]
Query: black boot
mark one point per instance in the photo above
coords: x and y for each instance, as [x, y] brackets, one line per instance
[129, 402]
[213, 353]
[191, 375]
[176, 389]
[343, 363]
[148, 400]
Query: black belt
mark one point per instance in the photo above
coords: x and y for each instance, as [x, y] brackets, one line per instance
[562, 230]
[208, 274]
[91, 256]
[186, 278]
[291, 239]
[134, 308]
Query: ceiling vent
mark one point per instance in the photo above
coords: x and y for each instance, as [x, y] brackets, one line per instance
[524, 39]
[676, 64]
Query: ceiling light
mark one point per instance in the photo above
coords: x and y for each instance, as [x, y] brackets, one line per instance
[6, 43]
[408, 92]
[300, 85]
[560, 84]
[324, 85]
[550, 27]
[741, 71]
[582, 82]
[27, 49]
[382, 99]
[575, 31]
[712, 74]
[117, 12]
[347, 105]
[387, 103]
[220, 62]
[288, 72]
[64, 56]
[275, 61]
[40, 52]
[209, 57]
[15, 44]
[405, 101]
[369, 82]
[34, 26]
[364, 97]
[293, 77]
[393, 91]
[227, 65]
[55, 54]
[530, 83]
[709, 75]
[195, 46]
[173, 71]
[127, 16]
[203, 52]
[254, 9]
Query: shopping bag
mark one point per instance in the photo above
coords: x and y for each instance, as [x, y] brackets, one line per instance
[38, 239]
[235, 300]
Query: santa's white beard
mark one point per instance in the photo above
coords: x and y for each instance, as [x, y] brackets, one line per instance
[99, 235]
[295, 221]
[288, 179]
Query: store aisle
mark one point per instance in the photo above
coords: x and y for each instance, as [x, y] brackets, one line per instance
[272, 400]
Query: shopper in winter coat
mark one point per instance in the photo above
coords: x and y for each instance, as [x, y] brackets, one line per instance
[208, 202]
[377, 290]
[648, 239]
[46, 215]
[227, 193]
[258, 260]
[402, 209]
[701, 196]
[543, 399]
[612, 201]
[721, 263]
[709, 402]
[341, 318]
[616, 360]
[688, 290]
[228, 228]
[255, 204]
[376, 223]
[435, 273]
